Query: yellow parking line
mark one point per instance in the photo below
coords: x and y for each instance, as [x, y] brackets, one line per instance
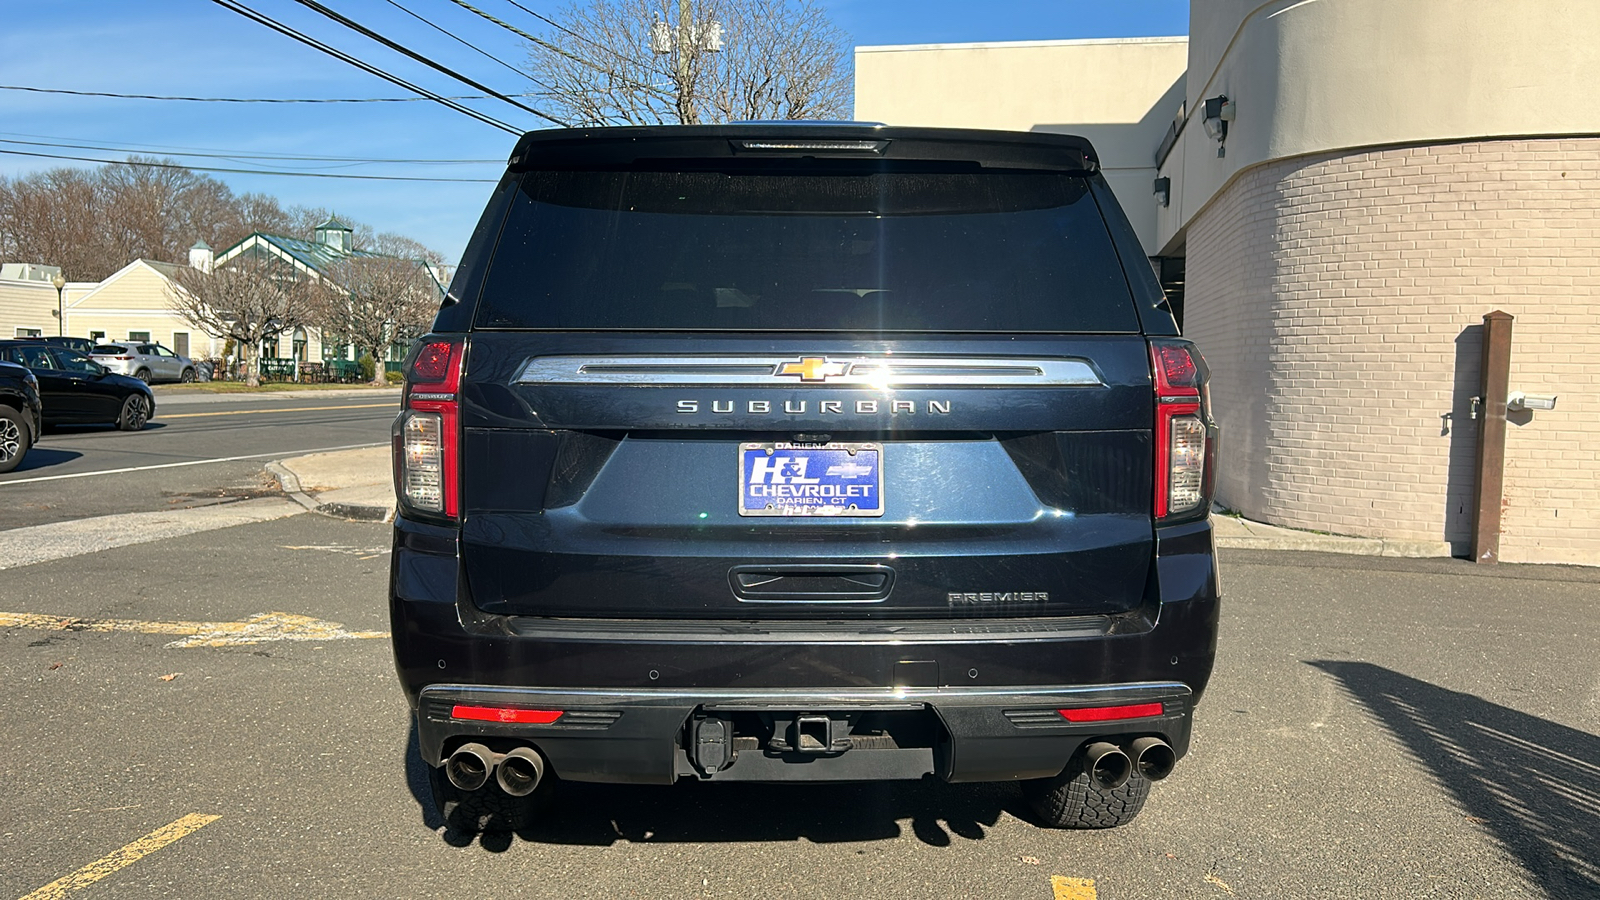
[257, 629]
[1072, 888]
[257, 412]
[119, 859]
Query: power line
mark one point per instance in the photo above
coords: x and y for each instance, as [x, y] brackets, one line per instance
[541, 42]
[254, 16]
[40, 90]
[560, 27]
[223, 154]
[468, 44]
[160, 165]
[400, 48]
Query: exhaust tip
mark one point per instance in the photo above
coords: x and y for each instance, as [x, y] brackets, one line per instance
[520, 772]
[1153, 757]
[1109, 768]
[468, 768]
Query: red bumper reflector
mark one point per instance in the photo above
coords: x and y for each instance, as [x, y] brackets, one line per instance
[1110, 713]
[506, 714]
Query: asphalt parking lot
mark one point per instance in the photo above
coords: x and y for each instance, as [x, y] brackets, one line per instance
[1376, 728]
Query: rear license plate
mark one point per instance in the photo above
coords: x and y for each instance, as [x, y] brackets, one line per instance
[837, 479]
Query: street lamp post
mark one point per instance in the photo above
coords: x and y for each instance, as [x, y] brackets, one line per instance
[60, 281]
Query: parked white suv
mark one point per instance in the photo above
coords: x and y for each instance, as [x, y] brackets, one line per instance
[147, 361]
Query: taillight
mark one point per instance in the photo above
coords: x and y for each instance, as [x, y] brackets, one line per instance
[1184, 444]
[427, 436]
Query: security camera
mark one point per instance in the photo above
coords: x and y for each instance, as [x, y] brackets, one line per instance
[1519, 401]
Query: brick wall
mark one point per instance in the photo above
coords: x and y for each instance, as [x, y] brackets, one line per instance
[1339, 300]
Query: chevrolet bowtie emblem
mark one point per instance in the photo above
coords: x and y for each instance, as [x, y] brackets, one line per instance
[813, 368]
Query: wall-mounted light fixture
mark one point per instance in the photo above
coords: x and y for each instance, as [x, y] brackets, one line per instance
[1216, 115]
[1163, 191]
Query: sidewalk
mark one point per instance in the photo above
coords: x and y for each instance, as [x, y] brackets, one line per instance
[180, 398]
[345, 484]
[357, 484]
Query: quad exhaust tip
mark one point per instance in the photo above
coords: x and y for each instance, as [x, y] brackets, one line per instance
[470, 766]
[1152, 757]
[520, 771]
[1109, 768]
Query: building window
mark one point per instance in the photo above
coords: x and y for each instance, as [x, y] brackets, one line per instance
[300, 344]
[180, 343]
[142, 337]
[29, 333]
[97, 336]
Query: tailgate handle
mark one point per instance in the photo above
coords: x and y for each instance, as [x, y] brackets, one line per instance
[811, 583]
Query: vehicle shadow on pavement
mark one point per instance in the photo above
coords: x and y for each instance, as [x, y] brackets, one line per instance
[1533, 784]
[690, 812]
[44, 458]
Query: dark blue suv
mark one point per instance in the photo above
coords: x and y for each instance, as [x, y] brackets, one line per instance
[803, 452]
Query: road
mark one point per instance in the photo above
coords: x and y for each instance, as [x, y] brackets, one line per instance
[1376, 728]
[200, 449]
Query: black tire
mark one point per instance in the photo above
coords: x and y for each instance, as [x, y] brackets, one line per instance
[187, 376]
[135, 413]
[1071, 800]
[143, 375]
[14, 439]
[487, 809]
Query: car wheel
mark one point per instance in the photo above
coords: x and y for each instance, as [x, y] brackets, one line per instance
[1072, 800]
[14, 439]
[143, 375]
[488, 809]
[135, 413]
[187, 376]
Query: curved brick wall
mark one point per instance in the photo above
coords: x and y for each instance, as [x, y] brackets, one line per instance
[1339, 297]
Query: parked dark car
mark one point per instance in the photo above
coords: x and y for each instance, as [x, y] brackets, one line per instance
[76, 390]
[82, 345]
[826, 452]
[19, 414]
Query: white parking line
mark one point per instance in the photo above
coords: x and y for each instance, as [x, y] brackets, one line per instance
[59, 540]
[192, 462]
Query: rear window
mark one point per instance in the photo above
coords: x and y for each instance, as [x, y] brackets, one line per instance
[109, 350]
[806, 251]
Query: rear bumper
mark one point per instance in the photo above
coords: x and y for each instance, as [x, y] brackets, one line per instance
[630, 691]
[642, 737]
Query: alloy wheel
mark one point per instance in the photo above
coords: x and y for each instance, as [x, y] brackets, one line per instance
[10, 440]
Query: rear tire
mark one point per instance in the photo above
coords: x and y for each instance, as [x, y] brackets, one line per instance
[14, 439]
[1071, 800]
[135, 413]
[487, 809]
[143, 375]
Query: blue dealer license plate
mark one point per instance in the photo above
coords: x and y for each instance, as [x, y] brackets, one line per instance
[837, 479]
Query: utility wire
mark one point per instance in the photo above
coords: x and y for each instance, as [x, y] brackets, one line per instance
[160, 165]
[560, 27]
[276, 157]
[541, 42]
[400, 48]
[468, 44]
[40, 90]
[254, 16]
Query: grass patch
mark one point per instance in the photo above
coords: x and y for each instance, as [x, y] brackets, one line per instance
[239, 387]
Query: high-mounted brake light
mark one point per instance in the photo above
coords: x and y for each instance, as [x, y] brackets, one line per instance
[1184, 451]
[1110, 713]
[815, 146]
[427, 436]
[509, 714]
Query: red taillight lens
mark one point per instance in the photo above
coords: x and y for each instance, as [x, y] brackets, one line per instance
[432, 364]
[427, 437]
[506, 714]
[1110, 713]
[1183, 443]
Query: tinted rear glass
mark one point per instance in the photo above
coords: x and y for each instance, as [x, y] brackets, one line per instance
[832, 250]
[110, 350]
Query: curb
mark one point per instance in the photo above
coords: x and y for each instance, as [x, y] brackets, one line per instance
[290, 483]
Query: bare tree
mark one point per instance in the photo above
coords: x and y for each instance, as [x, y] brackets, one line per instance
[251, 299]
[378, 297]
[641, 62]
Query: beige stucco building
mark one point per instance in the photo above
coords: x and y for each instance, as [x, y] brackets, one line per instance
[1389, 173]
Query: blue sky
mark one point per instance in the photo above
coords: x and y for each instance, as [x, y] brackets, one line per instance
[197, 48]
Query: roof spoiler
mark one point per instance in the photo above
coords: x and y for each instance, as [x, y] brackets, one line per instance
[623, 147]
